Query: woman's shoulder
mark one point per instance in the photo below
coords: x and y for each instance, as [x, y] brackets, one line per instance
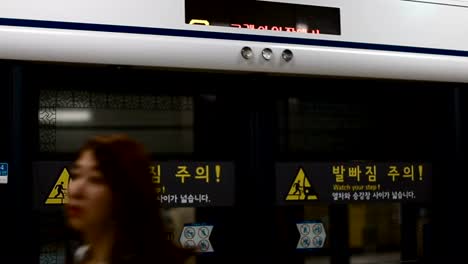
[80, 254]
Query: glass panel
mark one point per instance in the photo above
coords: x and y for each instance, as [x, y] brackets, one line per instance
[68, 117]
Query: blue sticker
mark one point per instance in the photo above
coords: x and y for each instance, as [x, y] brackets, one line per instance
[3, 173]
[3, 169]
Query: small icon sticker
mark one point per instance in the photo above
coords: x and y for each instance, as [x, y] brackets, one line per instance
[189, 233]
[312, 235]
[189, 244]
[203, 232]
[305, 229]
[318, 241]
[204, 245]
[305, 242]
[317, 229]
[197, 236]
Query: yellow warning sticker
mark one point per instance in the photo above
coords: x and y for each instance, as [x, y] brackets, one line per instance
[59, 194]
[301, 189]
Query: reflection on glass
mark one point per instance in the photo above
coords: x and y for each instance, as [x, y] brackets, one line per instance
[67, 118]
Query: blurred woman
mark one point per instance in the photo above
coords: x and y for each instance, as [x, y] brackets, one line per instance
[113, 205]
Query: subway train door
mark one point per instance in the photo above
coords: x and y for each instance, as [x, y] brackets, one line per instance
[365, 198]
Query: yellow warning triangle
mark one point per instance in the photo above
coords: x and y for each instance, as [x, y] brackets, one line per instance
[301, 189]
[59, 193]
